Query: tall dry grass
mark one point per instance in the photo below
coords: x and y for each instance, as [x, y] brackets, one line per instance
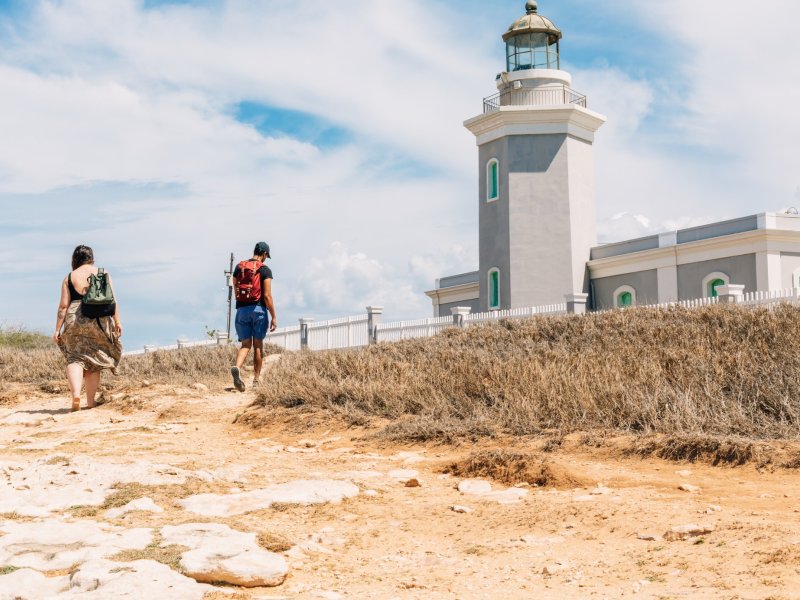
[22, 339]
[42, 366]
[721, 370]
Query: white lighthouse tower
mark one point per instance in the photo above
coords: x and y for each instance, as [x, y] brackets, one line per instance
[536, 190]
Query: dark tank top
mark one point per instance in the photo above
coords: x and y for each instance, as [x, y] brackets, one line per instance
[73, 293]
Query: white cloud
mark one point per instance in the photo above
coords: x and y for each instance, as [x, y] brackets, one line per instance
[342, 282]
[97, 91]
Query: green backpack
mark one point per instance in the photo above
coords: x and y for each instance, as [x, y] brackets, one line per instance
[98, 301]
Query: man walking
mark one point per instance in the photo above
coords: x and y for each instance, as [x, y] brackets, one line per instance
[252, 284]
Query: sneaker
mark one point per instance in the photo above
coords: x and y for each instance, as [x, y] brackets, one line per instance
[237, 379]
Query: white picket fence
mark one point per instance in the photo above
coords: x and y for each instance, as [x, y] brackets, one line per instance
[517, 313]
[346, 332]
[771, 298]
[352, 332]
[405, 330]
[287, 338]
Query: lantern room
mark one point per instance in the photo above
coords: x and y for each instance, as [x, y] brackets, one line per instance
[532, 42]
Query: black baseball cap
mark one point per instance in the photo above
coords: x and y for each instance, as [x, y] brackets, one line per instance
[262, 248]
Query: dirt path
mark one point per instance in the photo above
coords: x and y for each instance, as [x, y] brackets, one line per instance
[61, 474]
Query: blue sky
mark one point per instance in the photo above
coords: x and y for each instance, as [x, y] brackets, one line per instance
[167, 134]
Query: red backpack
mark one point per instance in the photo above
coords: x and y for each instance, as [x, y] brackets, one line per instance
[248, 284]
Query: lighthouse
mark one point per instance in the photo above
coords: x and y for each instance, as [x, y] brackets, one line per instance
[536, 174]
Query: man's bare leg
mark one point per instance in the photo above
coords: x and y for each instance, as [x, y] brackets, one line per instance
[241, 356]
[258, 359]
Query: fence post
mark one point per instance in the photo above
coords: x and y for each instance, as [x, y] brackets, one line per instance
[304, 323]
[222, 339]
[373, 318]
[730, 294]
[576, 303]
[460, 315]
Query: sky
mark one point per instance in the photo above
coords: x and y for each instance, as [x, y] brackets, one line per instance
[169, 134]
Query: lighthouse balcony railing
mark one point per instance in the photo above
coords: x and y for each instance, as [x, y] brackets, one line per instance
[549, 96]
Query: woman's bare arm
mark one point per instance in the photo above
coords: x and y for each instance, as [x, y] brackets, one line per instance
[117, 321]
[63, 306]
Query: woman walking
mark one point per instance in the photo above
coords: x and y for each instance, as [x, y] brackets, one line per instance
[87, 335]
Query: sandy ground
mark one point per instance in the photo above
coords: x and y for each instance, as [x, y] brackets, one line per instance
[393, 541]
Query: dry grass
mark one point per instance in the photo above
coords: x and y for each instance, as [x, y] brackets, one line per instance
[168, 555]
[45, 367]
[722, 371]
[160, 494]
[273, 542]
[703, 448]
[511, 468]
[21, 339]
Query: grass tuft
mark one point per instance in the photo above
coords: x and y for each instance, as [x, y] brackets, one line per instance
[273, 542]
[512, 468]
[168, 555]
[720, 371]
[44, 366]
[702, 448]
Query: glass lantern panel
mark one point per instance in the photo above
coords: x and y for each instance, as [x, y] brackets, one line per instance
[553, 58]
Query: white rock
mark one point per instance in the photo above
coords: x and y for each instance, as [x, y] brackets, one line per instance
[475, 486]
[684, 473]
[600, 491]
[584, 498]
[220, 553]
[140, 504]
[53, 545]
[27, 584]
[461, 509]
[554, 568]
[371, 493]
[411, 457]
[535, 540]
[301, 492]
[37, 489]
[200, 387]
[403, 474]
[103, 579]
[683, 532]
[687, 487]
[361, 475]
[483, 489]
[509, 496]
[28, 419]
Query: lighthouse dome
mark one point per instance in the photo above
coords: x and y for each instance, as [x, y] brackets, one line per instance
[532, 41]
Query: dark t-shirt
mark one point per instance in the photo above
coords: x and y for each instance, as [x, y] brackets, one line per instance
[266, 273]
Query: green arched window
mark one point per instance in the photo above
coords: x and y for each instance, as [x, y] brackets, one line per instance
[625, 299]
[494, 289]
[493, 180]
[712, 287]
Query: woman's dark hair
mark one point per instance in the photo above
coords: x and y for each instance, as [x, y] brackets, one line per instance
[82, 255]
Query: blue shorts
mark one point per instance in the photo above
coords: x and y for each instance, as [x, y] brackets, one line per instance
[251, 322]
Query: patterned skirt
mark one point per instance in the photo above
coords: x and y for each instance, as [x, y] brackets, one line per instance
[91, 343]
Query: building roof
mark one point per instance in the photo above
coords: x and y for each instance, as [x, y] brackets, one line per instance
[533, 22]
[695, 234]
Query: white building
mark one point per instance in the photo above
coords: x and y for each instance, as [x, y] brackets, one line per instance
[536, 207]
